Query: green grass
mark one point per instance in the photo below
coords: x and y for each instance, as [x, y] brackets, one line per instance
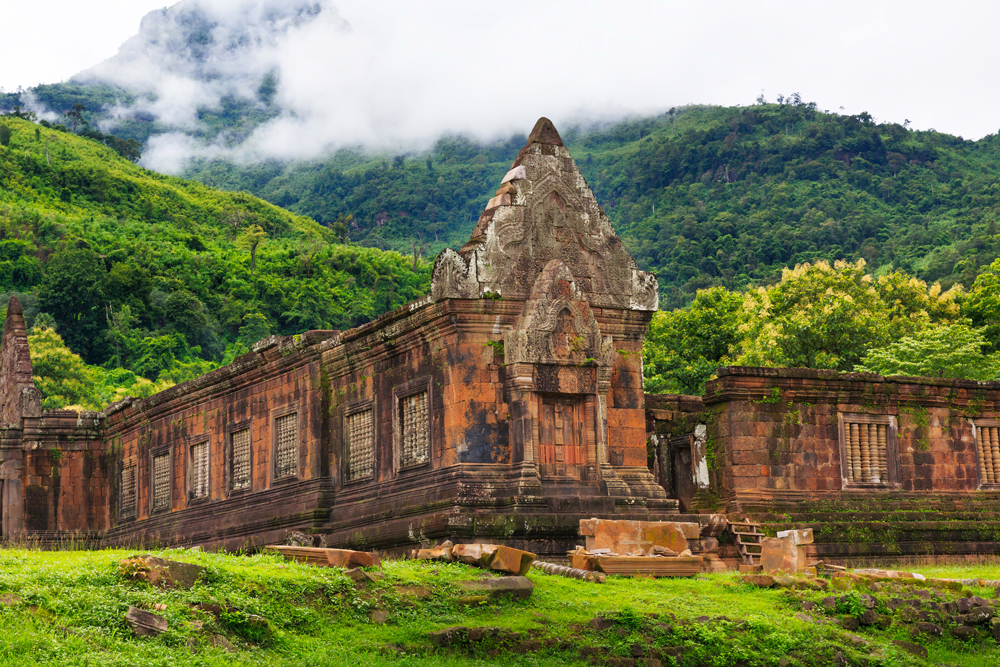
[72, 606]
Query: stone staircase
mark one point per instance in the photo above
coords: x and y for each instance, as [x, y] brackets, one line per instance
[747, 536]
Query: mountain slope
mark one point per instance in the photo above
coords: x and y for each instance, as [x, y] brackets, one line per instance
[704, 196]
[147, 272]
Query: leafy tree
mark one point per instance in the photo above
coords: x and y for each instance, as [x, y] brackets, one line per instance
[75, 114]
[983, 305]
[949, 351]
[685, 346]
[65, 381]
[73, 293]
[820, 316]
[5, 135]
[251, 240]
[255, 327]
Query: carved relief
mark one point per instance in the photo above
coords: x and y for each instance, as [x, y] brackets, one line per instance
[557, 326]
[452, 277]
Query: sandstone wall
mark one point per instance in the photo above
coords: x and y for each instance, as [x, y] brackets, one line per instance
[777, 432]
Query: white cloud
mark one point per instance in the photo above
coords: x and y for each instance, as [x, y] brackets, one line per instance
[395, 74]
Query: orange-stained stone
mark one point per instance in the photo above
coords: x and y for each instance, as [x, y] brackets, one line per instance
[623, 537]
[511, 561]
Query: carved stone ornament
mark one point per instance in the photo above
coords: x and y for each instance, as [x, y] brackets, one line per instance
[557, 325]
[545, 211]
[453, 277]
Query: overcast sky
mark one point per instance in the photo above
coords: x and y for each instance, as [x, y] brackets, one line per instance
[422, 68]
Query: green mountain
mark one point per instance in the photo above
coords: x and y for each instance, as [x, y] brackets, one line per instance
[156, 274]
[704, 196]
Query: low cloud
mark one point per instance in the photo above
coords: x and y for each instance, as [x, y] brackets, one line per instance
[397, 75]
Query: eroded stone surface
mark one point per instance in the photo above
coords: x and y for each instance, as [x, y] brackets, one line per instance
[625, 537]
[165, 573]
[145, 624]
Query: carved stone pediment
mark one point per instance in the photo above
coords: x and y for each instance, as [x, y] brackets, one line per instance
[453, 277]
[557, 325]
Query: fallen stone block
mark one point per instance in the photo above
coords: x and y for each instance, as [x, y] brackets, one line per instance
[625, 537]
[583, 561]
[474, 554]
[145, 624]
[322, 557]
[518, 588]
[798, 536]
[964, 632]
[162, 573]
[511, 561]
[449, 636]
[347, 558]
[779, 554]
[978, 616]
[932, 629]
[434, 553]
[911, 648]
[759, 580]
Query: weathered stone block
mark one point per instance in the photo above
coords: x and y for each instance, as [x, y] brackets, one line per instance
[474, 554]
[623, 537]
[163, 573]
[145, 624]
[518, 588]
[511, 561]
[781, 555]
[348, 559]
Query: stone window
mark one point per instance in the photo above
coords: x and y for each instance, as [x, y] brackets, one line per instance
[360, 436]
[161, 481]
[286, 449]
[126, 504]
[239, 460]
[988, 448]
[414, 438]
[868, 449]
[199, 471]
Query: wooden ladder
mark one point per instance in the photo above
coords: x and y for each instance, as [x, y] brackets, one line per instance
[747, 536]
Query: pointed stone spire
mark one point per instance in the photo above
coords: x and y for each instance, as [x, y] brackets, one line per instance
[544, 132]
[18, 395]
[542, 211]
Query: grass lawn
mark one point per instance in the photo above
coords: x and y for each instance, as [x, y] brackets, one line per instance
[68, 607]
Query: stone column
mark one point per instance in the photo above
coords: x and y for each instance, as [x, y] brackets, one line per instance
[523, 422]
[11, 470]
[610, 482]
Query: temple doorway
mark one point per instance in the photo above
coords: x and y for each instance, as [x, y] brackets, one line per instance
[561, 454]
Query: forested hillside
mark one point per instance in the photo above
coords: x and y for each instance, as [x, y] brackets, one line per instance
[160, 277]
[704, 195]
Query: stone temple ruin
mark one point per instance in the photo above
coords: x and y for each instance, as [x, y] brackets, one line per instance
[505, 407]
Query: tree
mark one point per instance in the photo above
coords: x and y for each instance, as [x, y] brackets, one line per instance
[684, 347]
[73, 293]
[951, 351]
[5, 135]
[238, 214]
[255, 327]
[983, 305]
[75, 114]
[418, 249]
[820, 316]
[251, 240]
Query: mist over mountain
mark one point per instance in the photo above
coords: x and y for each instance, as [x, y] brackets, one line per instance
[255, 80]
